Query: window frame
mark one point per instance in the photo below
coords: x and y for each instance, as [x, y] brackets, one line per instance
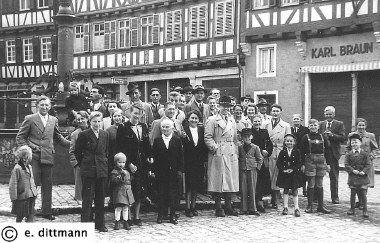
[24, 3]
[13, 51]
[46, 4]
[198, 22]
[81, 39]
[151, 29]
[101, 33]
[261, 7]
[124, 29]
[290, 4]
[28, 52]
[46, 47]
[259, 73]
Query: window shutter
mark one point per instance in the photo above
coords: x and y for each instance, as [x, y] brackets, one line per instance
[193, 23]
[248, 4]
[203, 23]
[169, 26]
[54, 48]
[229, 20]
[177, 19]
[156, 29]
[113, 34]
[86, 37]
[107, 31]
[32, 4]
[133, 32]
[2, 52]
[36, 49]
[219, 12]
[19, 51]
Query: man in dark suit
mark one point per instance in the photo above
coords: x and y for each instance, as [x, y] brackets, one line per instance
[97, 95]
[299, 131]
[155, 106]
[39, 131]
[335, 132]
[91, 152]
[199, 94]
[168, 167]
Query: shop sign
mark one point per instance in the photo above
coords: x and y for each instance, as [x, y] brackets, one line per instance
[343, 50]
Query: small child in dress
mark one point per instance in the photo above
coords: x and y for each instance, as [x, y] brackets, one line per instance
[22, 189]
[122, 196]
[289, 177]
[358, 165]
[250, 161]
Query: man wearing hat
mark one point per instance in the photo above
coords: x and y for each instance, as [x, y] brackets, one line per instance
[155, 106]
[277, 129]
[244, 101]
[188, 93]
[263, 107]
[134, 92]
[199, 94]
[223, 168]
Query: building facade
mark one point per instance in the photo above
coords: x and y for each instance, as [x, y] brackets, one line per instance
[160, 44]
[307, 55]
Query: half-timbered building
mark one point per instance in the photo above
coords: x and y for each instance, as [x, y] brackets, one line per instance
[307, 54]
[161, 44]
[27, 50]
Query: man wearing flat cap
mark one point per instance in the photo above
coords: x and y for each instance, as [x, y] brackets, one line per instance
[199, 94]
[134, 92]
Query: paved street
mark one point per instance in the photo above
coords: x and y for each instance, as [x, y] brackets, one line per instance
[271, 226]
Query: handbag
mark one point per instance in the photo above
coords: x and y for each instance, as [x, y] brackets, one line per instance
[359, 180]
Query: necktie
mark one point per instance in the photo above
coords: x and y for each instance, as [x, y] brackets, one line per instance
[329, 126]
[44, 120]
[295, 129]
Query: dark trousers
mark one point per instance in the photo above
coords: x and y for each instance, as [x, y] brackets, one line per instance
[43, 174]
[93, 189]
[334, 178]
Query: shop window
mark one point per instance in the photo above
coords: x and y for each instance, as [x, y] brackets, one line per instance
[11, 51]
[46, 49]
[173, 27]
[198, 22]
[28, 50]
[98, 37]
[150, 29]
[224, 18]
[82, 38]
[266, 60]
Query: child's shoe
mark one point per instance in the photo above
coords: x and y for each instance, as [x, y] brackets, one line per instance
[297, 213]
[285, 211]
[365, 214]
[117, 225]
[126, 225]
[351, 211]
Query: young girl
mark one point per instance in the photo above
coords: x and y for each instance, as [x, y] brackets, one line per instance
[289, 164]
[22, 189]
[358, 166]
[122, 196]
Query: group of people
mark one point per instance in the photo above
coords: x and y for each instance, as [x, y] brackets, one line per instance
[137, 150]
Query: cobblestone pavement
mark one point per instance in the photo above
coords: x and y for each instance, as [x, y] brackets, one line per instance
[269, 227]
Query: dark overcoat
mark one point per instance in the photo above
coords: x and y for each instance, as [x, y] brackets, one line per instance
[285, 162]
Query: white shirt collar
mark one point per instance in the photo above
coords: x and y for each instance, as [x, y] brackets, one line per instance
[167, 137]
[43, 117]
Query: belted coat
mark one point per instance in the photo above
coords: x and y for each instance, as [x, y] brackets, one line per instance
[223, 164]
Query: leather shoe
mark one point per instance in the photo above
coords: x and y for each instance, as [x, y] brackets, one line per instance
[189, 213]
[220, 212]
[103, 229]
[137, 222]
[357, 204]
[285, 211]
[323, 210]
[260, 209]
[254, 213]
[49, 217]
[231, 212]
[127, 226]
[130, 222]
[351, 211]
[309, 209]
[297, 213]
[159, 219]
[365, 215]
[194, 211]
[335, 201]
[174, 221]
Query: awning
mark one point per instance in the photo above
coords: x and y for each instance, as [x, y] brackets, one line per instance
[339, 68]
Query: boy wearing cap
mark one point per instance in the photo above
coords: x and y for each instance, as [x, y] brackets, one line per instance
[250, 161]
[358, 166]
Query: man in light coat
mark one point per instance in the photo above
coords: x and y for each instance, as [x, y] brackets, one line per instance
[223, 165]
[277, 129]
[39, 131]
